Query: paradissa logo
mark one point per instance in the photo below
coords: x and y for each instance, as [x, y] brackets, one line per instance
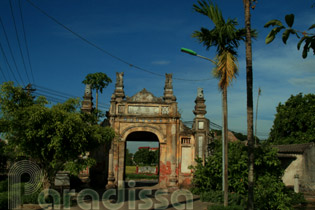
[107, 199]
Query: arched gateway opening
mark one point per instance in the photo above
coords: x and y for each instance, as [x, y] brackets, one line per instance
[144, 166]
[145, 117]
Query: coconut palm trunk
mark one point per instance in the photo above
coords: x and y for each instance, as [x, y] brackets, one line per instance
[249, 85]
[225, 145]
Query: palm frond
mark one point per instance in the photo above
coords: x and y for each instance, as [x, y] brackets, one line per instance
[211, 10]
[226, 69]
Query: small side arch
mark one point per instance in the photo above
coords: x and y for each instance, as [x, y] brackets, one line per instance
[147, 128]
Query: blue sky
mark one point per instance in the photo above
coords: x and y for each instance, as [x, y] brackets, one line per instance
[149, 34]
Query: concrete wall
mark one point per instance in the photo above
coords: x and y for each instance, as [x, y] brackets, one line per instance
[296, 167]
[304, 167]
[308, 179]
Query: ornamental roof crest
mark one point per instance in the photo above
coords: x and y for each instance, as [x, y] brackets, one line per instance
[144, 96]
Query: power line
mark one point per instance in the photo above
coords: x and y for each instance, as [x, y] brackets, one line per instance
[54, 91]
[7, 62]
[46, 92]
[61, 93]
[11, 52]
[49, 97]
[18, 40]
[5, 78]
[103, 50]
[25, 40]
[58, 100]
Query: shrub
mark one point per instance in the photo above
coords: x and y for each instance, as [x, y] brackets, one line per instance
[235, 199]
[4, 185]
[3, 200]
[297, 198]
[270, 192]
[221, 207]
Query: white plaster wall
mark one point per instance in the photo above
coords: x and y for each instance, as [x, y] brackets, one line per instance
[186, 159]
[296, 167]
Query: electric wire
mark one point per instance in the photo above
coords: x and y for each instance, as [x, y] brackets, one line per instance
[7, 62]
[58, 100]
[38, 87]
[25, 40]
[5, 78]
[105, 51]
[49, 98]
[46, 91]
[51, 90]
[18, 40]
[11, 51]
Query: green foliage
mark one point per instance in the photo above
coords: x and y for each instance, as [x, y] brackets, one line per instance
[98, 81]
[270, 192]
[221, 207]
[224, 35]
[30, 198]
[146, 157]
[3, 200]
[308, 38]
[4, 185]
[294, 122]
[297, 198]
[50, 136]
[140, 176]
[3, 157]
[129, 156]
[235, 199]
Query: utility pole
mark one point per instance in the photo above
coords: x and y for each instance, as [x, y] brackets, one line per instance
[29, 89]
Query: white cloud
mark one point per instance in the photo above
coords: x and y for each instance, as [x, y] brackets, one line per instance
[306, 81]
[161, 62]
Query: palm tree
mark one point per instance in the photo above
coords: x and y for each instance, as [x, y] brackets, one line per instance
[225, 37]
[98, 81]
[249, 87]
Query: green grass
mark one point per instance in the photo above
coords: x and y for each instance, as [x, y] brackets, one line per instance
[141, 176]
[131, 169]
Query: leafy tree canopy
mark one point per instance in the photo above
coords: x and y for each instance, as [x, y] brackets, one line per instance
[98, 81]
[307, 38]
[55, 137]
[294, 122]
[146, 157]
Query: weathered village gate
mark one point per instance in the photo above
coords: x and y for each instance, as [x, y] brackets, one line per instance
[146, 116]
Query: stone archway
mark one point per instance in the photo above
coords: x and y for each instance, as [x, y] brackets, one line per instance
[144, 112]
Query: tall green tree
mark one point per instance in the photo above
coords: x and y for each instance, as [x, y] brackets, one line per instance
[56, 137]
[145, 157]
[225, 37]
[294, 122]
[98, 81]
[249, 90]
